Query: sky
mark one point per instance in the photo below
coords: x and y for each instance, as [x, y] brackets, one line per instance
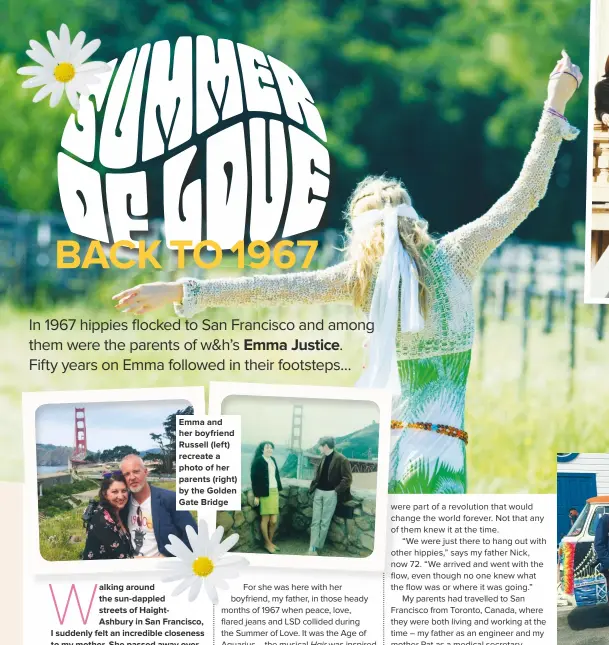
[270, 418]
[108, 424]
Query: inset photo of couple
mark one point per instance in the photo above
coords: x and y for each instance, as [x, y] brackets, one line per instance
[310, 473]
[106, 484]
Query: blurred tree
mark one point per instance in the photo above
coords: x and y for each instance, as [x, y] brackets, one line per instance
[169, 427]
[30, 135]
[445, 94]
[117, 453]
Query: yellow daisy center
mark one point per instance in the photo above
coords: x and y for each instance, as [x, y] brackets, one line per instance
[202, 567]
[64, 72]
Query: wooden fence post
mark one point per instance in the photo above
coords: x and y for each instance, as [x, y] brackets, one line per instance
[505, 297]
[526, 319]
[533, 266]
[549, 314]
[482, 320]
[601, 314]
[572, 339]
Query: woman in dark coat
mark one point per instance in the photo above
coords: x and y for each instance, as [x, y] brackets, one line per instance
[266, 484]
[601, 95]
[107, 537]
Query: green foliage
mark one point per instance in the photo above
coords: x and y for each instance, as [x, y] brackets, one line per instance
[55, 534]
[438, 93]
[30, 135]
[167, 440]
[79, 486]
[442, 479]
[54, 500]
[111, 454]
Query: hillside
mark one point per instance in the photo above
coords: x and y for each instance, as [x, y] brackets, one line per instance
[49, 455]
[361, 444]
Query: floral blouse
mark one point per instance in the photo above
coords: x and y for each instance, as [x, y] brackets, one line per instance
[106, 540]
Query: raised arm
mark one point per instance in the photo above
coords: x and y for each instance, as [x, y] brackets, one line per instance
[190, 295]
[472, 244]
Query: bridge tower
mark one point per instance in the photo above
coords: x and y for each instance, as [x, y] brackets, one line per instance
[296, 437]
[80, 436]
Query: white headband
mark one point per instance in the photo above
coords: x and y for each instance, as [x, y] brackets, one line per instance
[396, 294]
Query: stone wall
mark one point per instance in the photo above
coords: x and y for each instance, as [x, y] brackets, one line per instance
[50, 480]
[354, 535]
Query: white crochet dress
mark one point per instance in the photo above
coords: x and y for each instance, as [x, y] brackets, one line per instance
[434, 363]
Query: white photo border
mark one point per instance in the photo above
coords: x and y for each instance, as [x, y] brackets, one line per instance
[218, 391]
[589, 297]
[34, 563]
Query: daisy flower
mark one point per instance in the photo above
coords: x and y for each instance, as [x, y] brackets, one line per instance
[63, 68]
[205, 564]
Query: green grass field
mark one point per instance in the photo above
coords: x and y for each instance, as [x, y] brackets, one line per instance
[515, 430]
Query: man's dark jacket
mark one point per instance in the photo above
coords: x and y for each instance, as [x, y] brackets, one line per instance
[166, 520]
[339, 476]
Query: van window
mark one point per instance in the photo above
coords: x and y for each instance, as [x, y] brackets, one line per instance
[598, 513]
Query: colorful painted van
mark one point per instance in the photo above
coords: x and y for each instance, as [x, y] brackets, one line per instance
[580, 578]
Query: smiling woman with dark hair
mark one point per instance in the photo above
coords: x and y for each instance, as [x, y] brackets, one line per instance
[107, 536]
[266, 484]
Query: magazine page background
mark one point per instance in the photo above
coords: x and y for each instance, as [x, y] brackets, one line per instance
[403, 115]
[11, 595]
[469, 116]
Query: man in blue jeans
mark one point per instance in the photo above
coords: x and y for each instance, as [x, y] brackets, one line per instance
[331, 484]
[151, 514]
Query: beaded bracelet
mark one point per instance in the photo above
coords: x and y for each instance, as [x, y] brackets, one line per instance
[448, 431]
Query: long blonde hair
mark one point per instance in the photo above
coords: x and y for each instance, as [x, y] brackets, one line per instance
[377, 192]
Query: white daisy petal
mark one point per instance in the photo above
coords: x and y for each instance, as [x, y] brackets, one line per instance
[227, 545]
[198, 541]
[182, 569]
[216, 538]
[232, 560]
[56, 94]
[195, 588]
[228, 572]
[37, 81]
[32, 71]
[64, 40]
[88, 50]
[77, 43]
[178, 575]
[55, 45]
[87, 78]
[81, 87]
[72, 95]
[180, 550]
[40, 54]
[181, 588]
[93, 66]
[191, 534]
[44, 92]
[211, 591]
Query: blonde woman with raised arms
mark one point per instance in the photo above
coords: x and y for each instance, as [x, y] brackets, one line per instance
[416, 291]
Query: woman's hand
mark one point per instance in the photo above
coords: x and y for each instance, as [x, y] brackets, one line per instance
[146, 297]
[564, 80]
[256, 501]
[605, 119]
